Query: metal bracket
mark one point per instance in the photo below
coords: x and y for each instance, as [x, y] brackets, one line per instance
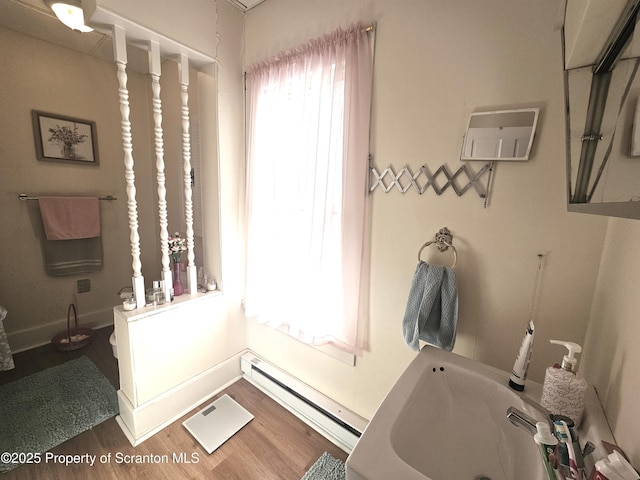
[591, 137]
[444, 239]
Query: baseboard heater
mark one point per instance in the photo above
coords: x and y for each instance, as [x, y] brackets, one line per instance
[336, 423]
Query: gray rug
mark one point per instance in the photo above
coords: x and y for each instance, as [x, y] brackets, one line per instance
[47, 408]
[326, 468]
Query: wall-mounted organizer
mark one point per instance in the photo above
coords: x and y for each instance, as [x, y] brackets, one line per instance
[405, 179]
[490, 136]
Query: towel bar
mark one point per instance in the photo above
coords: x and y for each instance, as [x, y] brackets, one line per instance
[444, 241]
[24, 197]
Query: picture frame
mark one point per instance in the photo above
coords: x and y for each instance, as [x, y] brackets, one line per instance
[634, 147]
[59, 138]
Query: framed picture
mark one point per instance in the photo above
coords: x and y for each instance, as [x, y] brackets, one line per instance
[634, 149]
[65, 139]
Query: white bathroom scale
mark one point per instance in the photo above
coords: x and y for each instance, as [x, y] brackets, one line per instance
[217, 423]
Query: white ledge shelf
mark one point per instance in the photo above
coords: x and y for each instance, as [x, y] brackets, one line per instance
[143, 312]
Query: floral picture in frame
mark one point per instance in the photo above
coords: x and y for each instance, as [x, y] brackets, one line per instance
[65, 139]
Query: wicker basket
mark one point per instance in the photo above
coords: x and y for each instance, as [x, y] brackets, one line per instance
[73, 338]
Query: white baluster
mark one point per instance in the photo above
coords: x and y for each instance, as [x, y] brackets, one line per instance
[186, 156]
[155, 70]
[120, 54]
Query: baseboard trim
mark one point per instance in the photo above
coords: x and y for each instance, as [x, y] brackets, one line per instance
[141, 423]
[332, 420]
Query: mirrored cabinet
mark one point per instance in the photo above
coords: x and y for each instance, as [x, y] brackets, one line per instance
[602, 89]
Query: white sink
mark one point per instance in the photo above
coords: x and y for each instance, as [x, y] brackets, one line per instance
[445, 419]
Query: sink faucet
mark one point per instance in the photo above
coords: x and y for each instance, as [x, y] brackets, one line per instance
[522, 420]
[536, 406]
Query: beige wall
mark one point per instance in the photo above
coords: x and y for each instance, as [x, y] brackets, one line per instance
[435, 63]
[611, 355]
[187, 23]
[230, 133]
[41, 76]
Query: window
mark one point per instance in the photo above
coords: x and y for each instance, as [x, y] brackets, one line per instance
[308, 139]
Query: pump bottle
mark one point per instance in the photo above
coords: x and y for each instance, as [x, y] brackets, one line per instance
[564, 391]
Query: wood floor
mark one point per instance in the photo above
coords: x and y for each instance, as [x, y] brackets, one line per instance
[274, 445]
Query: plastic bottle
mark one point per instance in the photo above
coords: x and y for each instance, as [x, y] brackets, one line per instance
[564, 391]
[521, 365]
[622, 466]
[607, 471]
[158, 293]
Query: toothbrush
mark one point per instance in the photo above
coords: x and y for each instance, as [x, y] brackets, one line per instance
[564, 435]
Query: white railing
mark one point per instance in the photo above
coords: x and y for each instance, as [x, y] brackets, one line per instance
[120, 53]
[155, 51]
[186, 165]
[155, 70]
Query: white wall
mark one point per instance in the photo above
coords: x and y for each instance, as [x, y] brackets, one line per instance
[231, 146]
[611, 354]
[435, 63]
[187, 23]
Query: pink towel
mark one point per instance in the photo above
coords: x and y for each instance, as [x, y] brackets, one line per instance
[68, 218]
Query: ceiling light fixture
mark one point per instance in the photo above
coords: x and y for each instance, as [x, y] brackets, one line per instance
[70, 13]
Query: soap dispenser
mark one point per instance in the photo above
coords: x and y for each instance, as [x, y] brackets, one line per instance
[564, 391]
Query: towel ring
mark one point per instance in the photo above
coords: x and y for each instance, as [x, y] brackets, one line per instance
[442, 249]
[444, 241]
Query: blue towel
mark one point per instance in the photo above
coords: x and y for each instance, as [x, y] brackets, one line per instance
[432, 308]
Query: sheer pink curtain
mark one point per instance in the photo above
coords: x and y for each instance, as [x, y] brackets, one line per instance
[307, 204]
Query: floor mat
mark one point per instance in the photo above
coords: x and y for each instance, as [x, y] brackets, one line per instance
[47, 408]
[326, 468]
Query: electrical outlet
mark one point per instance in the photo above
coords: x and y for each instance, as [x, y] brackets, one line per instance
[84, 285]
